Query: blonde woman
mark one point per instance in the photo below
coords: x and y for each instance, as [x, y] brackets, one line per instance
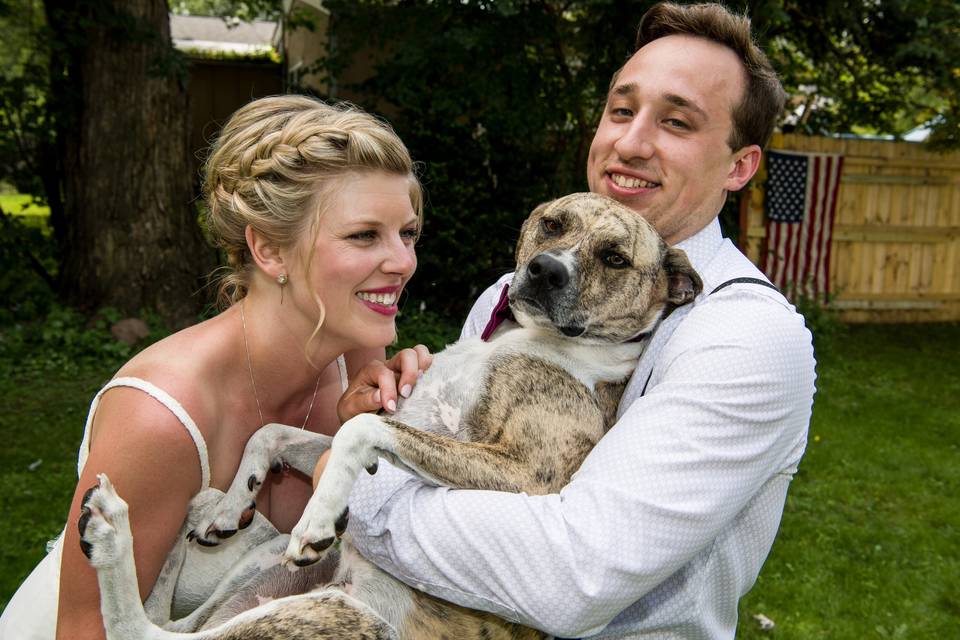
[317, 209]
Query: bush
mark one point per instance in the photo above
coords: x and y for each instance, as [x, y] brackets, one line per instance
[67, 341]
[27, 262]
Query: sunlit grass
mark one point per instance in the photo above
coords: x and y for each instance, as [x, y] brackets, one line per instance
[22, 205]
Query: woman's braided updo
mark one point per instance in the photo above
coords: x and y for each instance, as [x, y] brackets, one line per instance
[276, 163]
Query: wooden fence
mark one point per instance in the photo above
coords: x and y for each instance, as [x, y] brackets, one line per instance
[896, 238]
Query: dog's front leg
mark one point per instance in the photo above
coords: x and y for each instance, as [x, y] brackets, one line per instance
[358, 445]
[271, 447]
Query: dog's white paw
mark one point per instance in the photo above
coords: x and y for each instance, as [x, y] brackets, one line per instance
[317, 532]
[104, 524]
[225, 517]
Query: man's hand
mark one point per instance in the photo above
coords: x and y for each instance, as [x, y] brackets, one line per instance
[378, 384]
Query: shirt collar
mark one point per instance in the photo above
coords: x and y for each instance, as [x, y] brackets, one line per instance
[702, 246]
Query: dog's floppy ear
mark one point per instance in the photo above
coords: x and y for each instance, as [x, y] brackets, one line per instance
[525, 228]
[684, 283]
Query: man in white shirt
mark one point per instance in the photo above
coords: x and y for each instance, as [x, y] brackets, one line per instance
[668, 521]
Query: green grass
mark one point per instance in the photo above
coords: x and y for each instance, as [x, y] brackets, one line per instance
[869, 545]
[22, 205]
[870, 541]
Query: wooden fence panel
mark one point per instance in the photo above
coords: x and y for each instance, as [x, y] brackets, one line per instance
[896, 238]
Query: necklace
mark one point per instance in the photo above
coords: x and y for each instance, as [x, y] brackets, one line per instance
[246, 348]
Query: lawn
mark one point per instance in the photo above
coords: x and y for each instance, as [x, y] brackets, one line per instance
[870, 541]
[22, 205]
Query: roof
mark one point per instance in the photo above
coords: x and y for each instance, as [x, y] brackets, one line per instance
[213, 34]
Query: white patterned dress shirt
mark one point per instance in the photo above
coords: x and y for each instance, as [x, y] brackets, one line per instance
[668, 521]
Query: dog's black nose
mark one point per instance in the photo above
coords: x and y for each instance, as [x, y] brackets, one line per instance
[547, 273]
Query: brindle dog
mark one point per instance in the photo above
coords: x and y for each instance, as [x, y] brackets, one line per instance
[517, 412]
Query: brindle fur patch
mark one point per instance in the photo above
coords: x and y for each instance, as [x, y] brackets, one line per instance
[515, 444]
[322, 618]
[433, 619]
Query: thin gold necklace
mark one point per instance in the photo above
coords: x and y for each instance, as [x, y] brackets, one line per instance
[256, 396]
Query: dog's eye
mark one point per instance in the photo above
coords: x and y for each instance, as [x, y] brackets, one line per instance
[614, 260]
[551, 226]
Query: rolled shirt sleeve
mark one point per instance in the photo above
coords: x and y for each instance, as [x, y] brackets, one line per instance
[712, 442]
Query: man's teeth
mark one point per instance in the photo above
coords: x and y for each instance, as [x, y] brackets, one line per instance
[631, 183]
[386, 299]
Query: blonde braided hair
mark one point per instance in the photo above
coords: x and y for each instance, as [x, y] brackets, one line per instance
[276, 164]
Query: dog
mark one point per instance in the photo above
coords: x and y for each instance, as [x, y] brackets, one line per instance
[593, 279]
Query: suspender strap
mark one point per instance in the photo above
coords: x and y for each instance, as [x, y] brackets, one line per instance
[744, 281]
[718, 288]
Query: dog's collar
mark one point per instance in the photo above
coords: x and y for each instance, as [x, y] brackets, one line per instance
[502, 312]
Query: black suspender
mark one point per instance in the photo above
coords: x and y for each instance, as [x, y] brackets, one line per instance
[763, 283]
[718, 288]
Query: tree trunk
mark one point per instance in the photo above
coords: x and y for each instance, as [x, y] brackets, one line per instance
[132, 239]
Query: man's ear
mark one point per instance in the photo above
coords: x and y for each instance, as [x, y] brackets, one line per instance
[746, 161]
[683, 282]
[265, 254]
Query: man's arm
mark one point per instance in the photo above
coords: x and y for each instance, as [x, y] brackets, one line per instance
[725, 417]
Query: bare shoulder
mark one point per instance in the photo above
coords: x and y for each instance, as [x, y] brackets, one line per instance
[133, 434]
[189, 366]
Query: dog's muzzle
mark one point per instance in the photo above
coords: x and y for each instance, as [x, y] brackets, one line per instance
[547, 288]
[546, 275]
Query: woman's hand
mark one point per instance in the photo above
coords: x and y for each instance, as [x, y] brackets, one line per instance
[376, 387]
[378, 384]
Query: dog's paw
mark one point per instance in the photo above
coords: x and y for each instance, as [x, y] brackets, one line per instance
[104, 524]
[314, 536]
[224, 519]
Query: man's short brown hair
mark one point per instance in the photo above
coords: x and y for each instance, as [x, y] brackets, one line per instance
[763, 97]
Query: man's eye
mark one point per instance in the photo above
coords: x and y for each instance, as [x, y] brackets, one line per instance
[551, 226]
[676, 124]
[621, 112]
[614, 260]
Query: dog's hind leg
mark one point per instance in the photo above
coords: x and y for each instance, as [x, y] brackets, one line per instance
[106, 540]
[270, 447]
[159, 603]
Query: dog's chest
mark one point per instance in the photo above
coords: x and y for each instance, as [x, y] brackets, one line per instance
[452, 386]
[461, 374]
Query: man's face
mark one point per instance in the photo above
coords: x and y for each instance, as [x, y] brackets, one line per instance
[661, 145]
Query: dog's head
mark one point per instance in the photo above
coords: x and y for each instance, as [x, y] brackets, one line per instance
[590, 268]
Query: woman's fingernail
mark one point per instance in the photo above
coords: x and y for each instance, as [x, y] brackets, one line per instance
[376, 396]
[419, 373]
[391, 406]
[405, 390]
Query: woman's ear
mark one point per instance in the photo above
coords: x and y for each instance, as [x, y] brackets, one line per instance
[266, 254]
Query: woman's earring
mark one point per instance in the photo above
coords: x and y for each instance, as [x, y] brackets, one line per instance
[281, 280]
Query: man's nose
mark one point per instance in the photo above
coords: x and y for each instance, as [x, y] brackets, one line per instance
[637, 140]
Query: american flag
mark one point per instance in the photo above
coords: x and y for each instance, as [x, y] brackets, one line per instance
[801, 202]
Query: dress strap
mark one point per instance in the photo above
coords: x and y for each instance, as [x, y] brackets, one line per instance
[342, 367]
[163, 398]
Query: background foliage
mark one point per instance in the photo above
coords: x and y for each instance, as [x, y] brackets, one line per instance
[498, 100]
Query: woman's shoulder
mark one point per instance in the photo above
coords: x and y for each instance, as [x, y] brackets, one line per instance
[188, 367]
